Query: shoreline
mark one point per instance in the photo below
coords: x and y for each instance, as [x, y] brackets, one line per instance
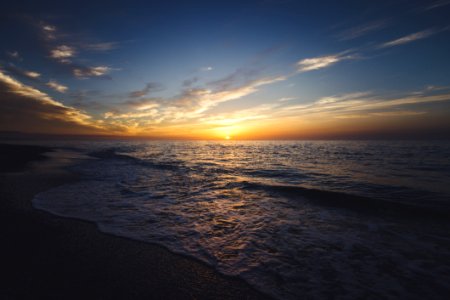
[51, 257]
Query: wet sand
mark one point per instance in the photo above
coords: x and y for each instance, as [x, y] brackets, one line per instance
[47, 257]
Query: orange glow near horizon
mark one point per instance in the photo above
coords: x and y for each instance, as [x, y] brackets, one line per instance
[307, 127]
[326, 118]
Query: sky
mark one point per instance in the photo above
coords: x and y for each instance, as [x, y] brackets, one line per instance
[268, 69]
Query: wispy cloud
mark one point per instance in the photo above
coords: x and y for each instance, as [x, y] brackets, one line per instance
[197, 101]
[56, 86]
[190, 81]
[149, 88]
[14, 55]
[358, 105]
[262, 111]
[316, 63]
[409, 38]
[436, 88]
[143, 104]
[342, 98]
[362, 30]
[105, 46]
[284, 99]
[237, 78]
[437, 4]
[365, 104]
[86, 72]
[400, 113]
[190, 104]
[388, 114]
[208, 68]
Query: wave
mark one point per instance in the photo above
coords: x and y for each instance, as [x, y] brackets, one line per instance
[407, 202]
[352, 201]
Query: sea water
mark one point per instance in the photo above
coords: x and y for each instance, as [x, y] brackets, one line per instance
[309, 219]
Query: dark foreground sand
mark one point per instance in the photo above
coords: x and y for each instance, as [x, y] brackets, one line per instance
[47, 257]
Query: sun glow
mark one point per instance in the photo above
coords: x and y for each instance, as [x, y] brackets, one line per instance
[227, 132]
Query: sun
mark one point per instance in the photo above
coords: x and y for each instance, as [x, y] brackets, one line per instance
[228, 137]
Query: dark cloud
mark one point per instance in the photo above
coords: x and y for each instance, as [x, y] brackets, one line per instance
[25, 109]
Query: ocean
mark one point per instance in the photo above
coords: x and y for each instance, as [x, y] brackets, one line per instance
[295, 219]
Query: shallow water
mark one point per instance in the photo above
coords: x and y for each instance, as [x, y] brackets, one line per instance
[246, 209]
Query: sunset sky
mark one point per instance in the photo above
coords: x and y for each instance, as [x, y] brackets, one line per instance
[273, 69]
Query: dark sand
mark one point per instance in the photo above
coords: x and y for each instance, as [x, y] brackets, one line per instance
[47, 257]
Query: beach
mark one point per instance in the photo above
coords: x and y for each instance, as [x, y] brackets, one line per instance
[48, 257]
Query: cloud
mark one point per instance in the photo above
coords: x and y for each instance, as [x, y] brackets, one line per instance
[365, 104]
[11, 68]
[378, 103]
[209, 98]
[262, 111]
[352, 116]
[49, 28]
[342, 98]
[65, 53]
[32, 74]
[436, 88]
[437, 4]
[144, 104]
[62, 53]
[284, 99]
[57, 87]
[150, 87]
[190, 104]
[358, 105]
[24, 108]
[82, 72]
[361, 30]
[409, 38]
[398, 113]
[237, 78]
[49, 31]
[132, 115]
[316, 63]
[106, 46]
[209, 68]
[189, 82]
[14, 55]
[87, 100]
